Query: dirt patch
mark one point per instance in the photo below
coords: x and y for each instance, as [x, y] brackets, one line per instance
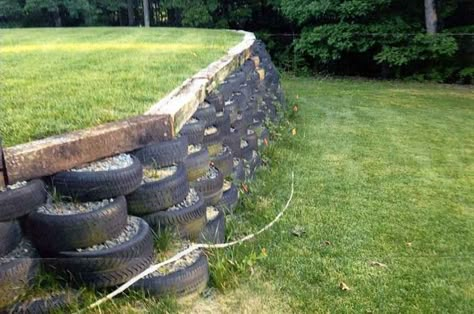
[245, 299]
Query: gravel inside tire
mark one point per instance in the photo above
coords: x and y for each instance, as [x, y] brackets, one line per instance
[18, 202]
[17, 270]
[54, 233]
[163, 154]
[87, 186]
[214, 231]
[189, 280]
[187, 220]
[206, 115]
[10, 236]
[213, 142]
[229, 200]
[210, 186]
[113, 254]
[194, 131]
[223, 161]
[159, 195]
[197, 164]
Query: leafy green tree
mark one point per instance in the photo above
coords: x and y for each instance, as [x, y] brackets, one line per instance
[391, 32]
[58, 10]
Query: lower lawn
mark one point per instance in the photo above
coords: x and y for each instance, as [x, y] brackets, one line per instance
[57, 80]
[384, 180]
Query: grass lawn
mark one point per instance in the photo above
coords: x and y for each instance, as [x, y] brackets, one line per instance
[384, 174]
[57, 80]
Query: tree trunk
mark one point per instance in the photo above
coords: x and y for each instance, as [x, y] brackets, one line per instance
[57, 18]
[146, 13]
[131, 14]
[431, 19]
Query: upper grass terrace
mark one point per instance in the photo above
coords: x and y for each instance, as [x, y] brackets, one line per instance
[59, 80]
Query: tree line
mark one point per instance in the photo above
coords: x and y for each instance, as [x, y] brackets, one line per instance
[419, 39]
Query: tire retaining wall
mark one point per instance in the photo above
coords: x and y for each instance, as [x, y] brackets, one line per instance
[103, 217]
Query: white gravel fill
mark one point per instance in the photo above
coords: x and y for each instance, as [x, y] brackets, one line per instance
[211, 173]
[13, 186]
[112, 163]
[69, 208]
[22, 250]
[211, 213]
[130, 230]
[153, 175]
[191, 199]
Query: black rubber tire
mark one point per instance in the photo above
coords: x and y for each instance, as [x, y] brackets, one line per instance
[55, 233]
[211, 189]
[190, 280]
[236, 78]
[240, 126]
[229, 200]
[163, 154]
[223, 123]
[225, 89]
[248, 67]
[214, 143]
[233, 142]
[159, 195]
[233, 110]
[194, 131]
[259, 116]
[224, 162]
[252, 139]
[90, 186]
[238, 174]
[51, 304]
[77, 263]
[217, 100]
[240, 99]
[21, 201]
[117, 276]
[15, 277]
[246, 89]
[187, 222]
[247, 153]
[214, 231]
[197, 164]
[206, 115]
[10, 236]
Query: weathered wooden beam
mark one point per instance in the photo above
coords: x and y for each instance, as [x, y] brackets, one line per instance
[57, 153]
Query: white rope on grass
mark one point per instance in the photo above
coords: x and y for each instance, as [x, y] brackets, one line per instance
[190, 249]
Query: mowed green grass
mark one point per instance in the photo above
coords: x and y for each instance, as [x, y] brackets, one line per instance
[384, 173]
[58, 80]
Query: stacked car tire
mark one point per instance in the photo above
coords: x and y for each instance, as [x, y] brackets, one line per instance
[18, 258]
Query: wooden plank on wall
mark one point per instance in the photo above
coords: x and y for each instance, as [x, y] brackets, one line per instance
[57, 153]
